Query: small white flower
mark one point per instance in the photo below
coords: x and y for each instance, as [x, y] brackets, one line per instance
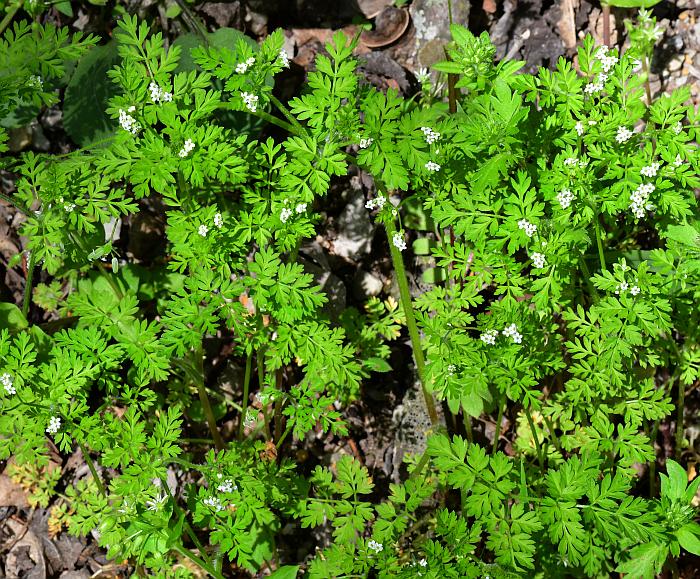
[218, 220]
[431, 166]
[54, 425]
[35, 82]
[127, 122]
[678, 162]
[376, 547]
[250, 101]
[157, 502]
[214, 503]
[423, 563]
[364, 143]
[7, 382]
[639, 199]
[565, 197]
[512, 332]
[601, 53]
[300, 208]
[622, 288]
[578, 127]
[376, 203]
[528, 227]
[285, 214]
[650, 170]
[678, 128]
[187, 147]
[489, 337]
[398, 241]
[430, 135]
[203, 230]
[538, 260]
[242, 67]
[158, 95]
[634, 290]
[608, 62]
[423, 75]
[227, 486]
[284, 58]
[451, 369]
[570, 161]
[69, 207]
[623, 135]
[593, 87]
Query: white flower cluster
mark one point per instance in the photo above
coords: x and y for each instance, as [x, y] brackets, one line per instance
[158, 95]
[127, 122]
[67, 207]
[623, 134]
[285, 214]
[283, 58]
[607, 61]
[512, 332]
[678, 162]
[678, 128]
[36, 82]
[242, 67]
[650, 170]
[489, 337]
[364, 143]
[624, 286]
[529, 228]
[639, 200]
[54, 425]
[187, 147]
[376, 547]
[398, 241]
[214, 503]
[573, 162]
[538, 260]
[218, 220]
[579, 128]
[203, 230]
[301, 207]
[376, 203]
[226, 486]
[431, 166]
[451, 369]
[430, 135]
[250, 101]
[7, 382]
[565, 197]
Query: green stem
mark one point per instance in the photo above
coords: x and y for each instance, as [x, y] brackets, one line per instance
[652, 466]
[552, 434]
[535, 438]
[93, 470]
[14, 204]
[647, 81]
[587, 273]
[198, 376]
[413, 332]
[288, 115]
[284, 435]
[679, 419]
[599, 242]
[197, 561]
[246, 392]
[497, 434]
[9, 16]
[28, 287]
[273, 120]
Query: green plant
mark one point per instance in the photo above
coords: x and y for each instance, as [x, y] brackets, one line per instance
[564, 259]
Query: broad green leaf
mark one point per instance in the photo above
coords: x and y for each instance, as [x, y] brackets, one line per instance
[87, 96]
[11, 317]
[688, 538]
[286, 572]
